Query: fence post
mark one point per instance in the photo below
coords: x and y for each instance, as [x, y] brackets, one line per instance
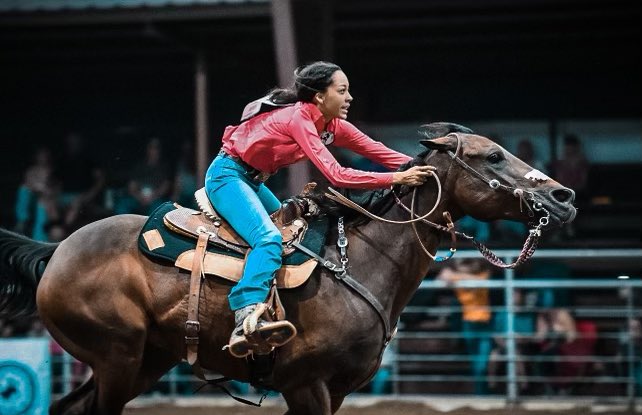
[630, 351]
[511, 389]
[67, 362]
[395, 367]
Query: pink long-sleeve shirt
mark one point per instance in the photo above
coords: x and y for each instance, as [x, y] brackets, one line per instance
[284, 136]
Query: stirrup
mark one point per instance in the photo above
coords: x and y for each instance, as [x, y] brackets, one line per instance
[239, 347]
[259, 335]
[275, 334]
[259, 331]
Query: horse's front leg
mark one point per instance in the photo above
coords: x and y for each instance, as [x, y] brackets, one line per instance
[312, 399]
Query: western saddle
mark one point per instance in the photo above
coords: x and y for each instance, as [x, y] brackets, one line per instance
[207, 227]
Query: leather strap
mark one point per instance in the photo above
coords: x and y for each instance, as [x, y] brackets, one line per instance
[343, 276]
[192, 326]
[274, 302]
[367, 295]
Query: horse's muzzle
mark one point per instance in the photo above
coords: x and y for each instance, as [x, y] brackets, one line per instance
[563, 195]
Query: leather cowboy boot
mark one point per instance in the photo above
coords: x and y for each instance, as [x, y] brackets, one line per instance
[254, 334]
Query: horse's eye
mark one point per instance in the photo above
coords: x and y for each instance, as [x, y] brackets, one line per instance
[495, 157]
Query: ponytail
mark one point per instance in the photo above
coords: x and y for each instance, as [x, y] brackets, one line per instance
[309, 80]
[282, 96]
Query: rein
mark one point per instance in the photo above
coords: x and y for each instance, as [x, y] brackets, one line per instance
[450, 227]
[525, 199]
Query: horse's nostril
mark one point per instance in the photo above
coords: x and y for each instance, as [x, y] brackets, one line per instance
[564, 195]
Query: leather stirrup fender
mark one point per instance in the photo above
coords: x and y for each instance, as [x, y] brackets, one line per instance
[192, 326]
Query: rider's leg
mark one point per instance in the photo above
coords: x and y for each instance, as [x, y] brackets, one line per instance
[244, 204]
[240, 205]
[269, 201]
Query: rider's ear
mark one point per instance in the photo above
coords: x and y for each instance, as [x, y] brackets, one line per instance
[448, 142]
[318, 98]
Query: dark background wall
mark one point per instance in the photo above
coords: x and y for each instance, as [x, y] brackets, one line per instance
[120, 83]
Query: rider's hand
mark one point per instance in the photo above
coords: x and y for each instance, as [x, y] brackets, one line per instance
[414, 176]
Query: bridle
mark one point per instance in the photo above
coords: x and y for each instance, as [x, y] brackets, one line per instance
[526, 199]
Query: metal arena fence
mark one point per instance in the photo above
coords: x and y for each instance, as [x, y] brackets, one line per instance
[428, 357]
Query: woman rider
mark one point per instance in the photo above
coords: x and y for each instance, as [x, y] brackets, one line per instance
[313, 114]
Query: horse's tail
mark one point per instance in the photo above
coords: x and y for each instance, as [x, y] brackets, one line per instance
[22, 263]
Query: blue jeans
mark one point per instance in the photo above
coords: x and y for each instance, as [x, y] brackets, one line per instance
[246, 205]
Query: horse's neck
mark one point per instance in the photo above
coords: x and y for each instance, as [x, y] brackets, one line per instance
[401, 262]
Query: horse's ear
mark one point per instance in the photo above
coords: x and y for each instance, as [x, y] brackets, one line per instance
[442, 129]
[441, 144]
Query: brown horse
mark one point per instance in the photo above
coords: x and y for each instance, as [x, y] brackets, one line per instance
[123, 314]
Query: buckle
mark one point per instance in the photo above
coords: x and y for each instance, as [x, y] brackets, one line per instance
[191, 340]
[329, 265]
[191, 330]
[192, 325]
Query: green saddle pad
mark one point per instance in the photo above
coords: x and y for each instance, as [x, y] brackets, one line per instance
[176, 244]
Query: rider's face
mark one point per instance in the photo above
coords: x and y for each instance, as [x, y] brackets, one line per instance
[335, 100]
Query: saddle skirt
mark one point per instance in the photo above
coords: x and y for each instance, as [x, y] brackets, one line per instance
[172, 230]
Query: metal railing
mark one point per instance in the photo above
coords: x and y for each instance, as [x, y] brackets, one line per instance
[68, 373]
[625, 313]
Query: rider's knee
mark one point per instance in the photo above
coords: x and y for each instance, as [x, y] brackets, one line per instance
[271, 238]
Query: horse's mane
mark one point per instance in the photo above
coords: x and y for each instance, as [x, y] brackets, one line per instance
[380, 201]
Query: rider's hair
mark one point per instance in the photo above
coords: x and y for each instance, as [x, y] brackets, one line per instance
[308, 80]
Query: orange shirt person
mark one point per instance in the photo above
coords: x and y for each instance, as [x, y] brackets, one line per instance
[476, 315]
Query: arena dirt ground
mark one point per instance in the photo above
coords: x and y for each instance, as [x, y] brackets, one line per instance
[381, 408]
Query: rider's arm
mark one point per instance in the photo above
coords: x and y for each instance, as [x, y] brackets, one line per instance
[302, 129]
[350, 137]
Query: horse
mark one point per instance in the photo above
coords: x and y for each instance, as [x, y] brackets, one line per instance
[124, 314]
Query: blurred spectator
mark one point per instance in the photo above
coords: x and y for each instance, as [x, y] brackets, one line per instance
[561, 337]
[185, 183]
[427, 320]
[36, 204]
[476, 314]
[547, 269]
[572, 169]
[526, 153]
[149, 184]
[475, 228]
[523, 329]
[81, 181]
[510, 232]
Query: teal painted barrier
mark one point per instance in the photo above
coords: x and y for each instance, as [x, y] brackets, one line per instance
[25, 376]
